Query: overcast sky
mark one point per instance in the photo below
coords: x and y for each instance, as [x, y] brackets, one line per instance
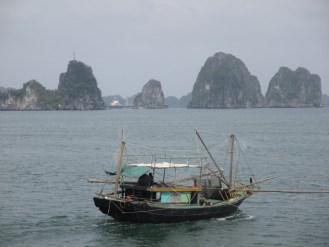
[128, 42]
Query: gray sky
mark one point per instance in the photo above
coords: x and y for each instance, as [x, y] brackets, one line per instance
[127, 42]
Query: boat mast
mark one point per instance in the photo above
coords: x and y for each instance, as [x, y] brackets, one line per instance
[231, 180]
[118, 170]
[222, 177]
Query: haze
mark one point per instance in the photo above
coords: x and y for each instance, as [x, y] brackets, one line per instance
[129, 42]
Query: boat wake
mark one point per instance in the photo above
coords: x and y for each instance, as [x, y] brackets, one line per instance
[237, 216]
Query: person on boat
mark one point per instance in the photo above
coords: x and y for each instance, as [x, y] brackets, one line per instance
[145, 180]
[151, 178]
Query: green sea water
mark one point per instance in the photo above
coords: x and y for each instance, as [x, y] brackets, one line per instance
[46, 158]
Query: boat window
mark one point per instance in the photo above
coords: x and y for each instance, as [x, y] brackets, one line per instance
[175, 197]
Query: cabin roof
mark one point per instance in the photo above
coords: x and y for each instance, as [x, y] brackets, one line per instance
[162, 165]
[174, 189]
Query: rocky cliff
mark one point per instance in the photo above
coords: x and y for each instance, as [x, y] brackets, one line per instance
[182, 102]
[78, 88]
[33, 96]
[151, 97]
[225, 82]
[185, 100]
[297, 88]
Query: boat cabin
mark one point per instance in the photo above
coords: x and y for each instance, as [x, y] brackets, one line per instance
[146, 188]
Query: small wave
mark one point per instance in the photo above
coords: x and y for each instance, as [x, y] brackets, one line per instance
[238, 216]
[250, 217]
[104, 223]
[221, 219]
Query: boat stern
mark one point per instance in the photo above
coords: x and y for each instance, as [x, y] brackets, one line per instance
[102, 204]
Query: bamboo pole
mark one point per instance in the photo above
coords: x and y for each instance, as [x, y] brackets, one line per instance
[254, 183]
[212, 159]
[231, 182]
[107, 181]
[288, 191]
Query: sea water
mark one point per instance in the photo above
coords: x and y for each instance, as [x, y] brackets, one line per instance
[46, 158]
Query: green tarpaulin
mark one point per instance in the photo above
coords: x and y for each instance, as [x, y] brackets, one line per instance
[134, 171]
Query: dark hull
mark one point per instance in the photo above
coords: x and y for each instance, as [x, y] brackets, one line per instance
[144, 212]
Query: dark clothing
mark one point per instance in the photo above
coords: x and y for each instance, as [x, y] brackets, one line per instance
[151, 177]
[145, 180]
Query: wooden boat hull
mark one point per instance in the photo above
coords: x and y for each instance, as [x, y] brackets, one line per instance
[138, 211]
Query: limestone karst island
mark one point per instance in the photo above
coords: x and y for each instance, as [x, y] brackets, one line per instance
[77, 90]
[224, 81]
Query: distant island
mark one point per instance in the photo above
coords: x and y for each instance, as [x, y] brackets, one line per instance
[297, 88]
[224, 81]
[77, 90]
[118, 101]
[182, 102]
[151, 97]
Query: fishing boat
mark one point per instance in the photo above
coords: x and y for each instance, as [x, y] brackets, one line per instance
[144, 191]
[138, 197]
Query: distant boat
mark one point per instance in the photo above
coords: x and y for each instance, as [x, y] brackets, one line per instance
[145, 200]
[115, 104]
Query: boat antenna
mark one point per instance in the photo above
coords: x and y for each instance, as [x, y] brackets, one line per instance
[222, 177]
